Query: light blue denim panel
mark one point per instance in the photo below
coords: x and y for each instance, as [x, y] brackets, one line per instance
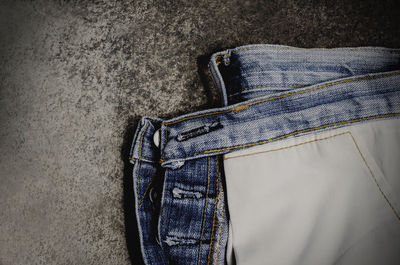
[219, 234]
[144, 156]
[188, 212]
[143, 146]
[259, 70]
[286, 114]
[180, 225]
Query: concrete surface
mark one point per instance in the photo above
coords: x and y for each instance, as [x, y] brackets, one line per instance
[75, 76]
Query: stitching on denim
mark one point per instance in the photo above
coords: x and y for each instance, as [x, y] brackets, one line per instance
[249, 73]
[297, 132]
[373, 177]
[219, 57]
[261, 88]
[215, 214]
[197, 116]
[198, 131]
[287, 147]
[320, 49]
[246, 92]
[205, 209]
[312, 89]
[284, 136]
[144, 194]
[140, 155]
[217, 251]
[241, 107]
[165, 140]
[274, 85]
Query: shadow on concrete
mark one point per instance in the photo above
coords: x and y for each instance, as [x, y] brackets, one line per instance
[131, 228]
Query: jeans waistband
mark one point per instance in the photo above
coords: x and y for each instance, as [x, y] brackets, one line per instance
[302, 90]
[259, 70]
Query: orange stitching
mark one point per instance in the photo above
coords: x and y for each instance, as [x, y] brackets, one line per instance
[140, 155]
[373, 177]
[283, 96]
[205, 210]
[239, 108]
[218, 59]
[321, 86]
[215, 211]
[275, 85]
[287, 147]
[297, 132]
[144, 194]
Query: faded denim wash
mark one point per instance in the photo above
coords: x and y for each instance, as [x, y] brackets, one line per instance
[269, 93]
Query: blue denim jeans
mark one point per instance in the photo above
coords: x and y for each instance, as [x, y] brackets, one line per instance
[269, 93]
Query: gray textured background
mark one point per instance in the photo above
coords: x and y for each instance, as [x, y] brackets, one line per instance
[76, 75]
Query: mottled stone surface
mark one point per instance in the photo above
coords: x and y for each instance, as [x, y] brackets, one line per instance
[75, 76]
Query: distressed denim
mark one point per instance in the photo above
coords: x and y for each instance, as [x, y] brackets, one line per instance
[270, 94]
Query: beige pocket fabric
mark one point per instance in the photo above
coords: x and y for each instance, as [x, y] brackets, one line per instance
[328, 197]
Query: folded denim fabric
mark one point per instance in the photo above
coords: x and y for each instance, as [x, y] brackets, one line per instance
[300, 164]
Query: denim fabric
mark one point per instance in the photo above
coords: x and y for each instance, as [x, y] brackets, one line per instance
[269, 93]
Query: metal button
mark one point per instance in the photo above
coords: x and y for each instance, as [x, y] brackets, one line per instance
[156, 138]
[152, 195]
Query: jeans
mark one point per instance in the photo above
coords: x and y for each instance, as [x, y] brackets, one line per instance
[299, 165]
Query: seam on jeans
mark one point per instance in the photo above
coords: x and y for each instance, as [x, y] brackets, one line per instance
[287, 147]
[214, 215]
[165, 141]
[274, 85]
[245, 90]
[144, 194]
[318, 49]
[241, 107]
[261, 88]
[205, 209]
[140, 156]
[218, 57]
[297, 132]
[148, 159]
[373, 177]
